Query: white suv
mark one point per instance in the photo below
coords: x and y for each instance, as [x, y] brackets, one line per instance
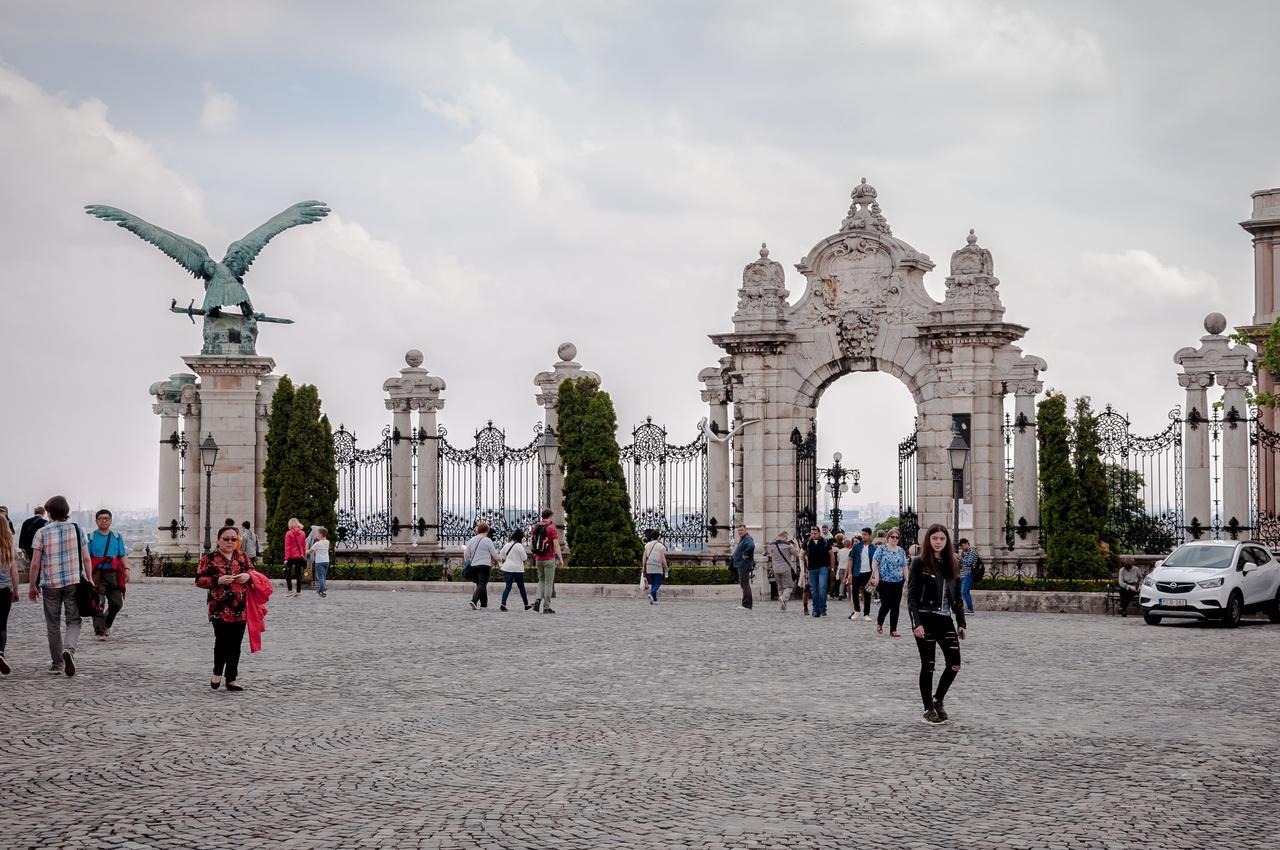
[1213, 580]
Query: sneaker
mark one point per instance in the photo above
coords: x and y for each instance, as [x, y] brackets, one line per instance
[527, 607]
[107, 632]
[68, 664]
[784, 605]
[547, 610]
[743, 608]
[537, 604]
[879, 628]
[4, 667]
[323, 594]
[940, 711]
[866, 616]
[931, 716]
[474, 606]
[652, 600]
[99, 637]
[502, 608]
[54, 668]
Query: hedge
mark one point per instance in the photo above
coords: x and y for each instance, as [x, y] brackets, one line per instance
[387, 571]
[1062, 585]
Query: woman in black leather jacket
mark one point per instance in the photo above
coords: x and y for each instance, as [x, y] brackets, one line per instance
[933, 595]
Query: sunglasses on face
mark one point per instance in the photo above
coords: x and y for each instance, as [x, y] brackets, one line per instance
[226, 540]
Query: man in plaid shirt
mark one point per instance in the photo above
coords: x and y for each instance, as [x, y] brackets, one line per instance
[57, 559]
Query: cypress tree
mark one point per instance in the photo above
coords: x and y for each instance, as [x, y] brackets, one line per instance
[1091, 484]
[1062, 513]
[277, 436]
[601, 531]
[304, 480]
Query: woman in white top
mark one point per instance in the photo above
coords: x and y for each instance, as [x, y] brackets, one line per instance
[513, 556]
[843, 546]
[653, 564]
[482, 555]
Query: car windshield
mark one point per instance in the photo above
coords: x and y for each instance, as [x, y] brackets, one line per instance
[1211, 557]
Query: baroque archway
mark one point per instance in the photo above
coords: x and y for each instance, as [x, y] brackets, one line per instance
[865, 308]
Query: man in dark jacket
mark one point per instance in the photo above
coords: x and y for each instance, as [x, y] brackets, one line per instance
[29, 528]
[744, 561]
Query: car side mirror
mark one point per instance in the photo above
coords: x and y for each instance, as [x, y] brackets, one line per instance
[1159, 564]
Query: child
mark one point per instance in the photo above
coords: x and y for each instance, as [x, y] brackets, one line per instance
[320, 552]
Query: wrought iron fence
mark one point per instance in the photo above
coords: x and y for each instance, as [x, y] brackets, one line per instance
[1144, 482]
[1264, 462]
[490, 481]
[908, 507]
[806, 449]
[364, 490]
[668, 486]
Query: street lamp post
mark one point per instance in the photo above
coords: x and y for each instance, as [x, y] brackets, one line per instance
[549, 455]
[958, 453]
[837, 475]
[208, 457]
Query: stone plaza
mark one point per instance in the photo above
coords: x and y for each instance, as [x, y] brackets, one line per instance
[379, 719]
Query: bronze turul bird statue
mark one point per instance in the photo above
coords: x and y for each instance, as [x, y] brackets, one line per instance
[224, 281]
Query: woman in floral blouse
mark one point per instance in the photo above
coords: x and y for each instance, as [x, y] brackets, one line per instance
[888, 573]
[225, 573]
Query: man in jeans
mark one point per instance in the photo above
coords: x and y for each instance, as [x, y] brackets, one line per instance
[968, 560]
[58, 557]
[744, 561]
[110, 570]
[544, 540]
[819, 558]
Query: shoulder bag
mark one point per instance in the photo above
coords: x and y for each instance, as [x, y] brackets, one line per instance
[88, 600]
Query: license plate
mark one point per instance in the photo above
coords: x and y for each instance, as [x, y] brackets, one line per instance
[1174, 603]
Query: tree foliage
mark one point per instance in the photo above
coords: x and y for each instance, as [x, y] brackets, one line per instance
[302, 481]
[1091, 484]
[1075, 507]
[597, 508]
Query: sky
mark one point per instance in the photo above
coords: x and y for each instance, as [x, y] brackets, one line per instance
[505, 177]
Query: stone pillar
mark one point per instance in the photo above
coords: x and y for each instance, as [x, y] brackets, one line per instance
[1236, 519]
[169, 503]
[716, 395]
[548, 384]
[1026, 467]
[229, 411]
[1264, 226]
[414, 389]
[1198, 512]
[193, 475]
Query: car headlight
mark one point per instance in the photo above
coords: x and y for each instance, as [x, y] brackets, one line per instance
[1148, 582]
[1210, 582]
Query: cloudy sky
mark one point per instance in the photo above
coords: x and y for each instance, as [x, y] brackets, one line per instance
[507, 176]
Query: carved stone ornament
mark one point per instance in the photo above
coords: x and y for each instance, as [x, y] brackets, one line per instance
[954, 388]
[1196, 381]
[414, 387]
[972, 283]
[864, 212]
[856, 333]
[764, 291]
[752, 393]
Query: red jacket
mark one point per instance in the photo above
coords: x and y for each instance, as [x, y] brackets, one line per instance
[295, 544]
[256, 608]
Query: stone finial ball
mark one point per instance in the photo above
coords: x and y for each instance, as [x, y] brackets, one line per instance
[567, 351]
[1215, 323]
[413, 357]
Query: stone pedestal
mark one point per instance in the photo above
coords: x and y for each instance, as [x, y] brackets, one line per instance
[716, 395]
[1197, 513]
[1026, 470]
[414, 389]
[1236, 516]
[229, 411]
[548, 384]
[177, 411]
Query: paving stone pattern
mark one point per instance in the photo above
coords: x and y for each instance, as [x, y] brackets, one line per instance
[379, 719]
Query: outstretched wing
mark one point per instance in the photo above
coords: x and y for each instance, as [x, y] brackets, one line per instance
[190, 254]
[241, 254]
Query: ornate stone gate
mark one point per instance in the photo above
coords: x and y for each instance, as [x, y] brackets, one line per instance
[865, 309]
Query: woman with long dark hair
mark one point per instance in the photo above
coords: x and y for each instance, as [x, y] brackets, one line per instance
[933, 596]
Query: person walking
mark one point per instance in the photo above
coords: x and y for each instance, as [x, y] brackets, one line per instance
[744, 562]
[513, 556]
[968, 561]
[545, 542]
[295, 556]
[481, 556]
[860, 557]
[58, 560]
[888, 571]
[110, 570]
[248, 541]
[224, 572]
[934, 595]
[30, 526]
[785, 558]
[840, 547]
[653, 564]
[8, 588]
[818, 558]
[318, 551]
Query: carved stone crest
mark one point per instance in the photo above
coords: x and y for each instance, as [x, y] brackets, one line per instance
[763, 296]
[864, 212]
[856, 333]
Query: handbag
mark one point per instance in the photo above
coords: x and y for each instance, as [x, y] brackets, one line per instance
[468, 571]
[88, 600]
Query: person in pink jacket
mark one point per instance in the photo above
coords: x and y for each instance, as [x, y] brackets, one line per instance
[295, 556]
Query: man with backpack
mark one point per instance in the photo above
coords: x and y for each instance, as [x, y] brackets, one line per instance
[110, 570]
[544, 540]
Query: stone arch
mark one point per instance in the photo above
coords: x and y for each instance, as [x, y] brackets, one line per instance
[865, 308]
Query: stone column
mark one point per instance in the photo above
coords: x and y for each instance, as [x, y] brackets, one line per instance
[193, 475]
[1026, 465]
[548, 384]
[1264, 226]
[169, 503]
[1235, 454]
[229, 411]
[414, 389]
[1198, 512]
[716, 395]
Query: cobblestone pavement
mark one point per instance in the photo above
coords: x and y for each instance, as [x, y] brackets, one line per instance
[377, 719]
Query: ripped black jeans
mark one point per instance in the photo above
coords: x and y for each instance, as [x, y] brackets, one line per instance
[939, 630]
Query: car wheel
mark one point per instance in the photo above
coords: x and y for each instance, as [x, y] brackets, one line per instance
[1151, 619]
[1273, 613]
[1235, 608]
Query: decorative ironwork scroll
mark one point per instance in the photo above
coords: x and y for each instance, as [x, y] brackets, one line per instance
[364, 491]
[668, 486]
[491, 481]
[908, 507]
[1144, 483]
[806, 448]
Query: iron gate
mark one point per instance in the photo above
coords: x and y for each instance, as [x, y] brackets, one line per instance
[490, 481]
[908, 511]
[806, 448]
[668, 486]
[364, 490]
[1264, 460]
[1144, 484]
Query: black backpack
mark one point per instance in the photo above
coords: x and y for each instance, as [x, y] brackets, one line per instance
[541, 542]
[978, 570]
